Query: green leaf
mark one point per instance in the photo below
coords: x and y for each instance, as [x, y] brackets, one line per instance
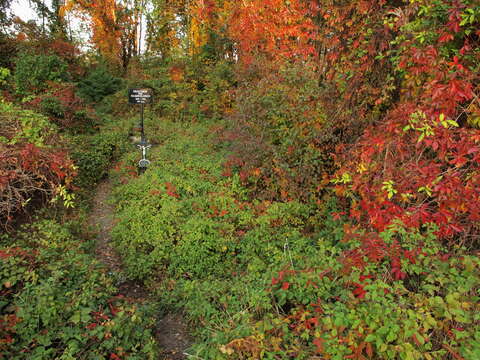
[391, 336]
[76, 317]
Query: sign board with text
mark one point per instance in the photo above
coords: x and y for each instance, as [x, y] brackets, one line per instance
[140, 96]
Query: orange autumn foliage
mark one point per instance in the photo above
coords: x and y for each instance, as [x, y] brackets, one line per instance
[107, 23]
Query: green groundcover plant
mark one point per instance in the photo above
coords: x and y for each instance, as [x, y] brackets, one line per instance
[286, 280]
[57, 303]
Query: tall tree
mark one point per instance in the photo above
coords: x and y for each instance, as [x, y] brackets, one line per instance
[4, 15]
[114, 27]
[274, 28]
[51, 16]
[213, 37]
[189, 27]
[166, 26]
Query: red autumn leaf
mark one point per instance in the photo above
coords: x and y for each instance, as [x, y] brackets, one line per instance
[359, 291]
[369, 350]
[446, 37]
[91, 326]
[312, 322]
[318, 342]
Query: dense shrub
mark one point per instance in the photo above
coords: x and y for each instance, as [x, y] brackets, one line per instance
[52, 106]
[189, 89]
[65, 108]
[31, 169]
[343, 312]
[4, 75]
[93, 156]
[278, 124]
[57, 303]
[98, 84]
[215, 81]
[286, 280]
[8, 51]
[34, 72]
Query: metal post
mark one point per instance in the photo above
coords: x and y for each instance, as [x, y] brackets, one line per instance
[142, 97]
[141, 121]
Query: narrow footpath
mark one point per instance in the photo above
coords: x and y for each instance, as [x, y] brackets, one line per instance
[171, 333]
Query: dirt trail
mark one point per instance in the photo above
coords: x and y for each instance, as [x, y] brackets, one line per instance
[171, 332]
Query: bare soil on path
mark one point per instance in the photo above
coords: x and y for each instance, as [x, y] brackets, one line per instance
[171, 331]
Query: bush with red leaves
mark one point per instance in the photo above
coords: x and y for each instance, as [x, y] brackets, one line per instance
[63, 107]
[31, 169]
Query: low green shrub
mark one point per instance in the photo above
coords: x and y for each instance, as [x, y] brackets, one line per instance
[24, 126]
[4, 75]
[52, 106]
[57, 303]
[34, 71]
[93, 156]
[341, 311]
[98, 84]
[286, 280]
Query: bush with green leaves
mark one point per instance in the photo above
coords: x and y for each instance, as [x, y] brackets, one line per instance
[57, 302]
[93, 155]
[34, 71]
[285, 280]
[98, 84]
[52, 106]
[4, 75]
[19, 126]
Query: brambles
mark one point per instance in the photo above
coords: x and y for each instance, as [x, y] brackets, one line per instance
[282, 121]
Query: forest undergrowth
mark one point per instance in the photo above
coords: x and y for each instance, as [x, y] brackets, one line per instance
[271, 279]
[313, 192]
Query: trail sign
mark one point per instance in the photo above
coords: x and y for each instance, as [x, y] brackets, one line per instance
[140, 96]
